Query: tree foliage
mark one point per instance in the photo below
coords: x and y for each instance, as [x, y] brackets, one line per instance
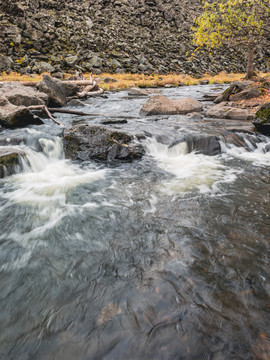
[241, 23]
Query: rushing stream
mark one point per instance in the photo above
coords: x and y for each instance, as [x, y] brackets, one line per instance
[163, 258]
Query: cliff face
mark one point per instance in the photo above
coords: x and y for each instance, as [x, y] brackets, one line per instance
[108, 35]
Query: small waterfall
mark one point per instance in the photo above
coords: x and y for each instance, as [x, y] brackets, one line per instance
[255, 148]
[47, 177]
[190, 170]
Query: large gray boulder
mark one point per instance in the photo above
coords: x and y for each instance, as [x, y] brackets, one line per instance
[224, 111]
[91, 142]
[161, 105]
[12, 116]
[20, 95]
[10, 160]
[56, 95]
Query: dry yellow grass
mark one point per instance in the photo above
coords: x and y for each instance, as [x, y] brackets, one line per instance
[125, 81]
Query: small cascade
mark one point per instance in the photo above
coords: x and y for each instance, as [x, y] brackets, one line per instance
[255, 148]
[47, 176]
[190, 171]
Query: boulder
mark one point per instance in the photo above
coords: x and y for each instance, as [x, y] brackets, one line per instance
[12, 116]
[5, 62]
[201, 144]
[91, 142]
[134, 91]
[109, 80]
[10, 161]
[56, 95]
[234, 88]
[224, 111]
[262, 119]
[246, 94]
[20, 95]
[43, 66]
[69, 88]
[161, 105]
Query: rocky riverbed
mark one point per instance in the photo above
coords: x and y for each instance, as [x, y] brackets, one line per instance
[24, 105]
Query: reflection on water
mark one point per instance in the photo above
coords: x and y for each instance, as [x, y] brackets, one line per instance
[164, 258]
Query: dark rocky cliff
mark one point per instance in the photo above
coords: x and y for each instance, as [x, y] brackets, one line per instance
[108, 35]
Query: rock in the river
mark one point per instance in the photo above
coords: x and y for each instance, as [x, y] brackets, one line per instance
[161, 105]
[56, 95]
[69, 88]
[12, 116]
[134, 91]
[262, 119]
[91, 142]
[20, 95]
[206, 145]
[224, 111]
[246, 94]
[235, 88]
[10, 161]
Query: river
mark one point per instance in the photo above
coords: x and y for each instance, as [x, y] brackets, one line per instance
[163, 258]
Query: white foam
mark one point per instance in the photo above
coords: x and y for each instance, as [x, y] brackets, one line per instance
[191, 171]
[258, 156]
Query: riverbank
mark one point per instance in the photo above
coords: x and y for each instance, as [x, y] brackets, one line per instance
[111, 82]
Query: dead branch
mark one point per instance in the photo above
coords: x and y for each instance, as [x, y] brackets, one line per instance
[81, 95]
[46, 110]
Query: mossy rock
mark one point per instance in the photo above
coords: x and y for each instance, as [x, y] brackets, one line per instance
[10, 161]
[263, 114]
[262, 119]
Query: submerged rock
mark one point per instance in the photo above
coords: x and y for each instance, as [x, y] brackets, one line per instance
[10, 161]
[262, 119]
[161, 105]
[91, 142]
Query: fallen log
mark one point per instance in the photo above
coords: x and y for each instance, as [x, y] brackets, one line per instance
[75, 112]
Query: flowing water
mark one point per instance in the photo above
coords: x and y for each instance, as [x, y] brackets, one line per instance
[163, 258]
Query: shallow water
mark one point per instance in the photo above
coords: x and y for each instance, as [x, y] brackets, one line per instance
[163, 258]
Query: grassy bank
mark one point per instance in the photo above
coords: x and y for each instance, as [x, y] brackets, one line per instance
[125, 81]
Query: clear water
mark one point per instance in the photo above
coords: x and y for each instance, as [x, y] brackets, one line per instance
[163, 258]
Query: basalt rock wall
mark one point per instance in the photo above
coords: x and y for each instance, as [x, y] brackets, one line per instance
[108, 35]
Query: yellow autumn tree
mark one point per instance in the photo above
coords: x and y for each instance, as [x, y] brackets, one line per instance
[236, 23]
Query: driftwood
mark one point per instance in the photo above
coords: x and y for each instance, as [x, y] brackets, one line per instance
[84, 94]
[46, 110]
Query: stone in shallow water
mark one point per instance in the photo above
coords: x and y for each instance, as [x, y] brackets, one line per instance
[91, 142]
[206, 145]
[161, 105]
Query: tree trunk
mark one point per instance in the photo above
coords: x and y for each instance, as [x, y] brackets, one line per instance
[250, 62]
